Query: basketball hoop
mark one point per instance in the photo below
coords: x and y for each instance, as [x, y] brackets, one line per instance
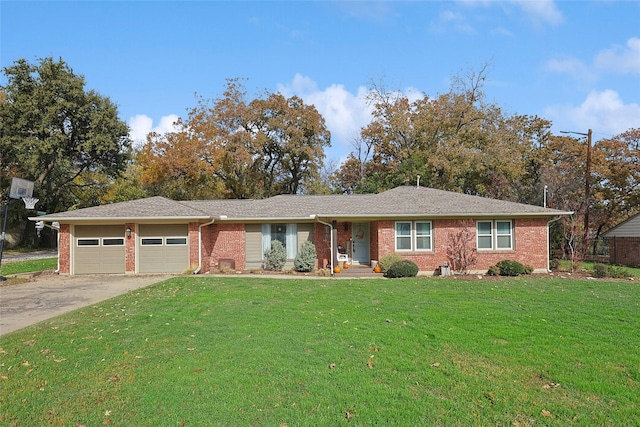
[30, 202]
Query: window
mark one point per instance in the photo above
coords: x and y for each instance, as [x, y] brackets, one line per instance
[414, 236]
[88, 242]
[176, 240]
[151, 241]
[494, 235]
[113, 241]
[287, 234]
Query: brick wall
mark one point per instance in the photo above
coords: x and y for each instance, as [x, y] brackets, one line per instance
[530, 244]
[64, 248]
[624, 251]
[223, 241]
[130, 249]
[194, 253]
[322, 240]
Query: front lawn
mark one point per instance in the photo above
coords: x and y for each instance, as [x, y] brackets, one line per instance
[29, 266]
[246, 351]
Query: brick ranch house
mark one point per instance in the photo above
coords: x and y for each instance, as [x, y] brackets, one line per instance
[159, 235]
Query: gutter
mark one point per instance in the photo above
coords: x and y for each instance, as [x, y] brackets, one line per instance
[197, 270]
[331, 247]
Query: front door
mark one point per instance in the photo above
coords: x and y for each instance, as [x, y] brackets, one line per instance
[360, 238]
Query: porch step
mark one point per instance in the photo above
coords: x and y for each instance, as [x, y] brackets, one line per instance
[358, 271]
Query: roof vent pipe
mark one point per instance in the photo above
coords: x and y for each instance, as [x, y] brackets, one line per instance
[418, 181]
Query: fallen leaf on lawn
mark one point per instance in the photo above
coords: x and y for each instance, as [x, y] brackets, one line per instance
[546, 413]
[191, 348]
[332, 365]
[198, 370]
[26, 363]
[4, 378]
[436, 364]
[59, 360]
[370, 364]
[107, 413]
[114, 379]
[348, 415]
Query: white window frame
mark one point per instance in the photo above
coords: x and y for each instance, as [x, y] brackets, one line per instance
[495, 236]
[413, 236]
[290, 242]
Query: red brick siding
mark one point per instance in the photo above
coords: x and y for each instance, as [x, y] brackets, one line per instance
[194, 253]
[322, 240]
[530, 244]
[130, 249]
[624, 251]
[223, 241]
[64, 248]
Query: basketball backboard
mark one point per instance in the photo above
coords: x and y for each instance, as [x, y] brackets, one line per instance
[20, 188]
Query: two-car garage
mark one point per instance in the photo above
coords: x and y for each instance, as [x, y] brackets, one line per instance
[159, 248]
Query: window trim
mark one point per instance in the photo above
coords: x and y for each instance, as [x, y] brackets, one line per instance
[495, 235]
[413, 236]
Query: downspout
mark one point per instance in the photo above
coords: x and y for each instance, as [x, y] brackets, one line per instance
[331, 240]
[549, 242]
[197, 270]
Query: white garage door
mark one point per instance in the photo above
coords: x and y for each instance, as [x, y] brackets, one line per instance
[163, 248]
[99, 249]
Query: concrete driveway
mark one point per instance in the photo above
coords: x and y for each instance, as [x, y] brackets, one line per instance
[50, 295]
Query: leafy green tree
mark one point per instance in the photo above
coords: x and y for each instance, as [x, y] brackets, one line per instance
[68, 140]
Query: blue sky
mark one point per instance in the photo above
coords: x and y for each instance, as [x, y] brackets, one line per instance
[576, 63]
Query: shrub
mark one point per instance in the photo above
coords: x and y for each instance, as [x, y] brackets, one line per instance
[618, 272]
[403, 268]
[600, 270]
[386, 261]
[276, 257]
[494, 270]
[306, 258]
[510, 267]
[554, 264]
[528, 269]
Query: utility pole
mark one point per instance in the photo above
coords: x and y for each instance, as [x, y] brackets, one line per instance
[587, 191]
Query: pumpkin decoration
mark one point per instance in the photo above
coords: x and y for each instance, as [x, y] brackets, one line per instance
[336, 269]
[377, 269]
[345, 266]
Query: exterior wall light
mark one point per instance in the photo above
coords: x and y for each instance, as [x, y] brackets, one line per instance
[128, 232]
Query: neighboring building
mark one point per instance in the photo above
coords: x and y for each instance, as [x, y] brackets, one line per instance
[624, 242]
[159, 235]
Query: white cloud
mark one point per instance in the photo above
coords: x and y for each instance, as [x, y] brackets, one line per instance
[573, 67]
[603, 112]
[344, 112]
[621, 59]
[541, 11]
[141, 124]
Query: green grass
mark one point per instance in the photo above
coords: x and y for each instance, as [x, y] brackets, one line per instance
[206, 351]
[30, 266]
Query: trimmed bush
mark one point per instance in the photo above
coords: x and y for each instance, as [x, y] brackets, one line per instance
[386, 261]
[403, 268]
[613, 271]
[510, 267]
[618, 272]
[306, 258]
[600, 270]
[276, 257]
[494, 270]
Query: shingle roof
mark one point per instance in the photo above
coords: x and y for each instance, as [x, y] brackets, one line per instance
[150, 208]
[398, 202]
